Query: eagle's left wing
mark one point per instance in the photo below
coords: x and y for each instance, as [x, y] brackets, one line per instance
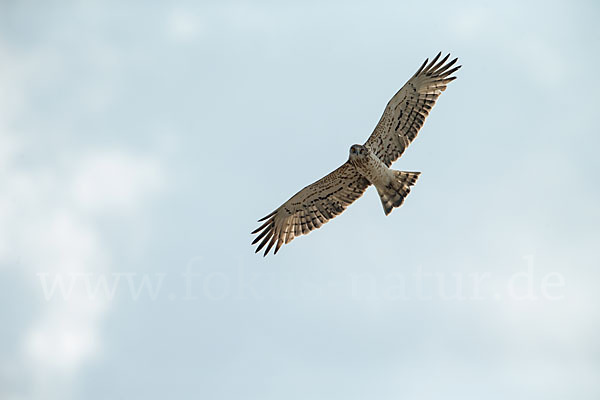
[311, 207]
[405, 113]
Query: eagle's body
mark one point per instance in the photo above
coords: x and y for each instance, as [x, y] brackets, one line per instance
[393, 186]
[367, 164]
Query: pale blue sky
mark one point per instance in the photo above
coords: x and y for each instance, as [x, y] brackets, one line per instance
[143, 141]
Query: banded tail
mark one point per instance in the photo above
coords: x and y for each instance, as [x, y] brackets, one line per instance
[393, 194]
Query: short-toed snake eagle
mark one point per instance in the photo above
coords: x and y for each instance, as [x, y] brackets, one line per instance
[367, 164]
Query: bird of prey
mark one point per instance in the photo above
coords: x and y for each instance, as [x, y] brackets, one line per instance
[368, 164]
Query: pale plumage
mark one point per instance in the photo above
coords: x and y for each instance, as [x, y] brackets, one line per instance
[367, 164]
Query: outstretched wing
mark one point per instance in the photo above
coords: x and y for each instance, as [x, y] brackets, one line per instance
[311, 207]
[405, 113]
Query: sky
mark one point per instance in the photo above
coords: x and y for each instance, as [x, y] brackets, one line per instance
[141, 141]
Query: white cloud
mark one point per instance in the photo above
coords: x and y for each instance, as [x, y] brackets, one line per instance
[183, 25]
[47, 222]
[48, 216]
[63, 339]
[114, 181]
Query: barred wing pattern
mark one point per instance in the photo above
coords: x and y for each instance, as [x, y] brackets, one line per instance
[405, 113]
[311, 207]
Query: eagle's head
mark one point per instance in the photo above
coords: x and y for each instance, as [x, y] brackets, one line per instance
[358, 152]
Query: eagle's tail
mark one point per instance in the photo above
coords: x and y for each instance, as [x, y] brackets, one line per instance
[393, 194]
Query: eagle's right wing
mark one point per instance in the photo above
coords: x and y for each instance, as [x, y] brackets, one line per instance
[311, 207]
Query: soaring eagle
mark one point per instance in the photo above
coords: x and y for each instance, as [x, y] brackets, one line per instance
[368, 164]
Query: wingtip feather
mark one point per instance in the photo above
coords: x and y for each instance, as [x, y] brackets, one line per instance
[260, 228]
[267, 216]
[432, 63]
[441, 63]
[421, 67]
